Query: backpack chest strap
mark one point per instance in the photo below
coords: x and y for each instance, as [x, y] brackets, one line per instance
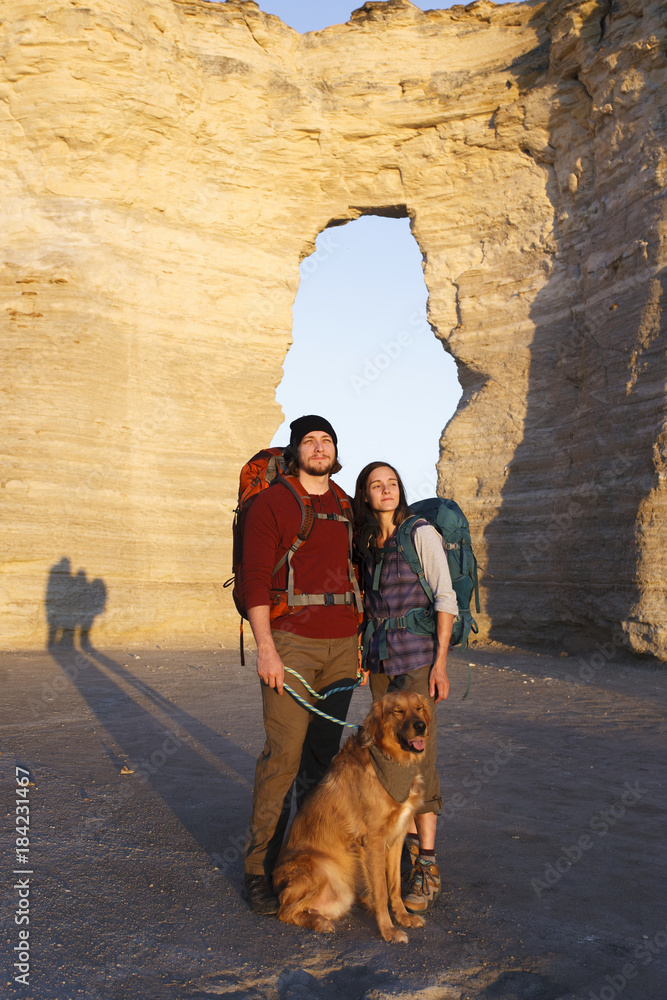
[351, 596]
[419, 621]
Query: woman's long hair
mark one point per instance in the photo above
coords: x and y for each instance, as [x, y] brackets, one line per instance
[365, 520]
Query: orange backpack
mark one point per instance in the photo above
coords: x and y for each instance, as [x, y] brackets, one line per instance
[263, 470]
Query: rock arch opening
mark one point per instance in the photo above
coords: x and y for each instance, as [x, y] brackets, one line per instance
[364, 355]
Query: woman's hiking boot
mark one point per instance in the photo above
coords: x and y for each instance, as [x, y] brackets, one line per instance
[423, 888]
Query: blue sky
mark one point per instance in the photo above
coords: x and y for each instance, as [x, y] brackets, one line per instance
[363, 354]
[312, 15]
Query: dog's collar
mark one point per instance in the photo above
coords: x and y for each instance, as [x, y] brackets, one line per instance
[395, 778]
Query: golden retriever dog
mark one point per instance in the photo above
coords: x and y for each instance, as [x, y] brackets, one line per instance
[345, 841]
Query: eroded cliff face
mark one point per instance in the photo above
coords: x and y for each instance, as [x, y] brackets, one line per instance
[168, 165]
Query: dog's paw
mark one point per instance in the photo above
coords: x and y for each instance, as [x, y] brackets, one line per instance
[321, 924]
[395, 936]
[410, 920]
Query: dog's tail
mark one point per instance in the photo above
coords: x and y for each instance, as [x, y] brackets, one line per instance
[296, 886]
[292, 871]
[313, 890]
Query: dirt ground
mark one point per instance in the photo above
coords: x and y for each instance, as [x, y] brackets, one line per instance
[141, 766]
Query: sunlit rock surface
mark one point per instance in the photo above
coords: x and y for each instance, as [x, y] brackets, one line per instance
[166, 165]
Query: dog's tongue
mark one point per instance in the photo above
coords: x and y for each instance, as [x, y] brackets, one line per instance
[417, 744]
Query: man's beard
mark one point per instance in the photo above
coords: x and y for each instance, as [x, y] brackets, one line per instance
[321, 469]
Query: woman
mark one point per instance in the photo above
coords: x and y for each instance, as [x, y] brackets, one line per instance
[401, 658]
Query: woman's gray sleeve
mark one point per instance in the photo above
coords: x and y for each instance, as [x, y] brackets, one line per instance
[428, 544]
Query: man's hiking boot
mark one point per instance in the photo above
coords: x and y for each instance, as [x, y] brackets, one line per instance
[423, 888]
[260, 895]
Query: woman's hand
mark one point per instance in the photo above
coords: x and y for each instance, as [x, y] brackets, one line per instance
[438, 681]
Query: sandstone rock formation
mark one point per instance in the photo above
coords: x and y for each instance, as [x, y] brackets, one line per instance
[167, 165]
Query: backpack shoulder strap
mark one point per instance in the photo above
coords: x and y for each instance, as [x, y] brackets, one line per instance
[308, 518]
[343, 500]
[302, 497]
[347, 512]
[406, 548]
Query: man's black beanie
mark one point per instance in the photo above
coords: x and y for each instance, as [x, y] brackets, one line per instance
[304, 425]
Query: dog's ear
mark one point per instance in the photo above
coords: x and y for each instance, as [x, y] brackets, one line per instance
[371, 731]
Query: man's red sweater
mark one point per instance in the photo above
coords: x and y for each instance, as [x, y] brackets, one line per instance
[319, 565]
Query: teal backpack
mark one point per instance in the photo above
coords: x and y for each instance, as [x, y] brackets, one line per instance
[449, 520]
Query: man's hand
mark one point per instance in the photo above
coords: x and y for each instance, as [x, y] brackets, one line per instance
[270, 667]
[362, 670]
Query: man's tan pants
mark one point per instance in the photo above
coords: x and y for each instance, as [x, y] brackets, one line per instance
[300, 745]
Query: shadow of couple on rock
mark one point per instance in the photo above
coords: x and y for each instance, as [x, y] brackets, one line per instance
[72, 602]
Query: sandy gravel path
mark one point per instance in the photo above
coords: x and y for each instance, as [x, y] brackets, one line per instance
[141, 763]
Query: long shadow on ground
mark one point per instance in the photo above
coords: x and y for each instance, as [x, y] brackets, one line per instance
[154, 744]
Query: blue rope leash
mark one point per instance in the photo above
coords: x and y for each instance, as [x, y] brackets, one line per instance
[321, 697]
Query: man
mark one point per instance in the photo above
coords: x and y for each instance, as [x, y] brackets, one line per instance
[316, 637]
